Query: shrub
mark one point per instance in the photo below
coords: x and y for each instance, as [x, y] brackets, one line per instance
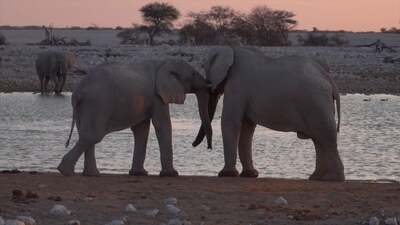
[316, 39]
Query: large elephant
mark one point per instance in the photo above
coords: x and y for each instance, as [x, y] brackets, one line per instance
[54, 66]
[290, 94]
[116, 96]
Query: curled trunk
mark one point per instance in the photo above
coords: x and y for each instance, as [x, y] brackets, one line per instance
[212, 106]
[203, 103]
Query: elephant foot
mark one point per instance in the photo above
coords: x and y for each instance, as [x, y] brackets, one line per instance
[169, 173]
[139, 173]
[328, 176]
[66, 169]
[91, 172]
[249, 173]
[228, 173]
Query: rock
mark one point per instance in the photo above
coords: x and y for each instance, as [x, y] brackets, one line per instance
[281, 201]
[27, 220]
[116, 222]
[2, 222]
[31, 195]
[60, 210]
[74, 222]
[14, 222]
[205, 208]
[130, 208]
[151, 212]
[172, 210]
[391, 221]
[175, 222]
[373, 221]
[170, 201]
[17, 194]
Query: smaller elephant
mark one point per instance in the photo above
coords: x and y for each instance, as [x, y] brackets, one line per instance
[116, 96]
[54, 66]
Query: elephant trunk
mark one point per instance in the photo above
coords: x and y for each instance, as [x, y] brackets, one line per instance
[212, 106]
[203, 104]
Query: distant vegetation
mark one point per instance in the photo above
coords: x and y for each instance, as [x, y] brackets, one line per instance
[219, 25]
[3, 40]
[390, 30]
[222, 25]
[322, 39]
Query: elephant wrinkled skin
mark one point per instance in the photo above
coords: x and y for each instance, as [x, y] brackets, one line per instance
[54, 66]
[117, 96]
[290, 94]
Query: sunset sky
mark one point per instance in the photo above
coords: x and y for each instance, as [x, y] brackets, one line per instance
[356, 15]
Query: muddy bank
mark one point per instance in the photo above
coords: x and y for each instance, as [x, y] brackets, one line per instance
[207, 200]
[356, 70]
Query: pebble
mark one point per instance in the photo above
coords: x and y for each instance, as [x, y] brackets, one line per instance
[27, 220]
[14, 222]
[373, 221]
[171, 201]
[391, 221]
[152, 212]
[116, 222]
[281, 201]
[74, 222]
[130, 208]
[60, 210]
[175, 222]
[172, 210]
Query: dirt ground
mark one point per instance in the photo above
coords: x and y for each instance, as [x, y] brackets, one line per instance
[204, 200]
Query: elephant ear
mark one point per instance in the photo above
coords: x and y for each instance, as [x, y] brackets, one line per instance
[218, 63]
[169, 86]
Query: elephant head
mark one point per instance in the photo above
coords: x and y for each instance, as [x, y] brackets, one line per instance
[174, 79]
[217, 66]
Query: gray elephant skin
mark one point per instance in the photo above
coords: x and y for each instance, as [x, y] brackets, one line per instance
[54, 66]
[289, 94]
[116, 96]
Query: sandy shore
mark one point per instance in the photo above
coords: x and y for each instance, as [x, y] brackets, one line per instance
[205, 200]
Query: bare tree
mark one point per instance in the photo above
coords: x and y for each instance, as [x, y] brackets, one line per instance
[158, 16]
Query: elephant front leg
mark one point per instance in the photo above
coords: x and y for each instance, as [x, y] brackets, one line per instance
[162, 124]
[230, 136]
[245, 149]
[141, 134]
[90, 165]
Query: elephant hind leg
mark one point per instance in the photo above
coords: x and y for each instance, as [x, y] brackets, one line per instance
[67, 165]
[90, 165]
[329, 166]
[245, 148]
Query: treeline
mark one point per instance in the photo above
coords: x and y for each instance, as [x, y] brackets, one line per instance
[219, 25]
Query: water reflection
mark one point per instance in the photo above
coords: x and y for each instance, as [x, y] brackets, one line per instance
[34, 128]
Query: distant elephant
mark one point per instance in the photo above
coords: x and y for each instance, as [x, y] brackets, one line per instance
[290, 94]
[54, 66]
[115, 96]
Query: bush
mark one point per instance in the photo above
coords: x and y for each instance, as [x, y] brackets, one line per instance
[315, 39]
[221, 25]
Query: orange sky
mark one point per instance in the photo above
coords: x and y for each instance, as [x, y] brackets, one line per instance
[356, 15]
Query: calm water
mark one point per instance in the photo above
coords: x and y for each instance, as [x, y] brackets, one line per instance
[33, 130]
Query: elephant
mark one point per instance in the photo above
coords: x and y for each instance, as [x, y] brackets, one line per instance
[54, 66]
[288, 94]
[117, 96]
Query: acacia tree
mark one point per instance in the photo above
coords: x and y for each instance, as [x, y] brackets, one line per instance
[271, 27]
[158, 16]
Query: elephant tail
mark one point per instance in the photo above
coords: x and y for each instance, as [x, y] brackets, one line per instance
[71, 131]
[336, 98]
[74, 117]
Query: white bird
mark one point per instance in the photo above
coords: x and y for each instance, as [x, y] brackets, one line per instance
[60, 210]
